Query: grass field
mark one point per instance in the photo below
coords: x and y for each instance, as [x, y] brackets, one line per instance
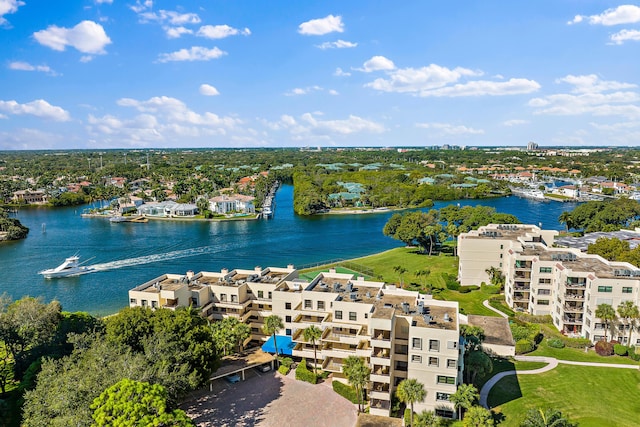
[503, 365]
[591, 396]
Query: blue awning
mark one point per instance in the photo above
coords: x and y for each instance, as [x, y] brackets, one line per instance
[285, 345]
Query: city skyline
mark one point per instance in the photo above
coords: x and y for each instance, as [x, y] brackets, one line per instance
[100, 74]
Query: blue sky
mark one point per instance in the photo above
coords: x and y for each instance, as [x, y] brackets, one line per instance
[102, 74]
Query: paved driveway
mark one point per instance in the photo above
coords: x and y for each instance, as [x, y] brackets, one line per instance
[270, 400]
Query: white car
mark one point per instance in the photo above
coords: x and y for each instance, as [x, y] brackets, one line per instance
[263, 368]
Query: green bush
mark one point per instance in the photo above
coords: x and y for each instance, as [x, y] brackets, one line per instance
[407, 416]
[555, 343]
[635, 356]
[304, 374]
[451, 281]
[286, 361]
[284, 370]
[620, 350]
[577, 342]
[524, 346]
[604, 348]
[345, 391]
[490, 289]
[467, 289]
[531, 318]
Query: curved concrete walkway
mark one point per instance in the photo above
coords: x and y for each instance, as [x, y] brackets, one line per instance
[552, 363]
[486, 304]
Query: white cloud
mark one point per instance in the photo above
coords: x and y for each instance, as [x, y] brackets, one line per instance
[25, 66]
[339, 44]
[447, 129]
[485, 88]
[377, 63]
[514, 122]
[321, 26]
[339, 72]
[208, 90]
[220, 31]
[38, 108]
[177, 32]
[29, 139]
[625, 35]
[309, 126]
[195, 53]
[303, 91]
[170, 17]
[87, 37]
[421, 79]
[86, 58]
[333, 92]
[7, 7]
[141, 6]
[590, 95]
[104, 1]
[624, 14]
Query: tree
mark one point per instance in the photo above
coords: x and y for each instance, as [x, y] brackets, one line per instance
[610, 249]
[415, 228]
[464, 397]
[229, 334]
[629, 311]
[273, 324]
[545, 418]
[473, 336]
[607, 314]
[565, 218]
[400, 270]
[427, 419]
[131, 403]
[411, 391]
[357, 373]
[476, 363]
[495, 276]
[313, 333]
[422, 273]
[203, 205]
[477, 416]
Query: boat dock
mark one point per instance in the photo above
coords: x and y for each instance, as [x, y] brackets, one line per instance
[269, 205]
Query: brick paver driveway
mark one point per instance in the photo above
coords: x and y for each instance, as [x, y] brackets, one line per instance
[271, 400]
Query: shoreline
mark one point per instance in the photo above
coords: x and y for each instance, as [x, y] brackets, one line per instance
[185, 219]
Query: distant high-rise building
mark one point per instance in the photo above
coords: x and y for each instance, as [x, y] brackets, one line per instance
[532, 146]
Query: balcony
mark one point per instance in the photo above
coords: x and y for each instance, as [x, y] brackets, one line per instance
[522, 277]
[522, 287]
[379, 391]
[523, 265]
[380, 404]
[520, 297]
[305, 320]
[380, 374]
[338, 350]
[332, 364]
[381, 357]
[575, 296]
[573, 320]
[339, 334]
[303, 350]
[363, 349]
[573, 308]
[576, 282]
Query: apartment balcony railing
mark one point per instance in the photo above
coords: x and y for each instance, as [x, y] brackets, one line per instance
[574, 296]
[576, 320]
[573, 308]
[575, 283]
[522, 288]
[380, 404]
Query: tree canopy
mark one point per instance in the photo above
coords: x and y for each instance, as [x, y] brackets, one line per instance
[603, 215]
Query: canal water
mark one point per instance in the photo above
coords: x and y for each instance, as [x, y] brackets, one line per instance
[128, 254]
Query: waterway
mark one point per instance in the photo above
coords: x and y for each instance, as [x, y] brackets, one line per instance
[128, 254]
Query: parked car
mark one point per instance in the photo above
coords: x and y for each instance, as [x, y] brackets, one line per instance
[233, 378]
[263, 368]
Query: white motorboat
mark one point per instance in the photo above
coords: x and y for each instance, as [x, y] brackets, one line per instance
[70, 267]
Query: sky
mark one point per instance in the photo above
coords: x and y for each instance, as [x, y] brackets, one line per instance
[99, 74]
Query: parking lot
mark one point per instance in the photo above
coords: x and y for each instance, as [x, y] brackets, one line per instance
[270, 400]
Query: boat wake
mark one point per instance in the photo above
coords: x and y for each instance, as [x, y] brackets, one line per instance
[148, 259]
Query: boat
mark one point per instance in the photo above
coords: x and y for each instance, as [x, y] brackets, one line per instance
[529, 193]
[70, 267]
[117, 218]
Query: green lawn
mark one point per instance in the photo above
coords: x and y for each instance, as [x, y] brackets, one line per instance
[591, 396]
[503, 365]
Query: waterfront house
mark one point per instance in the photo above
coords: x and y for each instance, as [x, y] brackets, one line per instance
[30, 197]
[225, 204]
[167, 209]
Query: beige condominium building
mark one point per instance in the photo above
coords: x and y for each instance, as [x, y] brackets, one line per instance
[401, 334]
[542, 279]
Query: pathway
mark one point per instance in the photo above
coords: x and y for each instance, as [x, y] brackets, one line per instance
[552, 363]
[486, 304]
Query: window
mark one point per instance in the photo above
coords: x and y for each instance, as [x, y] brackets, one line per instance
[543, 302]
[287, 332]
[260, 294]
[545, 269]
[339, 314]
[287, 306]
[443, 379]
[132, 301]
[433, 361]
[223, 297]
[627, 289]
[605, 288]
[154, 304]
[452, 363]
[434, 345]
[544, 291]
[451, 345]
[501, 246]
[144, 302]
[353, 316]
[587, 322]
[416, 343]
[234, 298]
[269, 294]
[320, 305]
[307, 304]
[545, 281]
[416, 358]
[444, 413]
[287, 318]
[442, 396]
[194, 301]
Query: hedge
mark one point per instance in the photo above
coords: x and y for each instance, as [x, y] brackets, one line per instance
[555, 343]
[604, 348]
[620, 350]
[451, 281]
[284, 370]
[345, 391]
[524, 346]
[467, 289]
[304, 374]
[407, 416]
[577, 342]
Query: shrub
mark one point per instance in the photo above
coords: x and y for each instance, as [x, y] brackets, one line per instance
[451, 281]
[407, 416]
[635, 356]
[286, 361]
[467, 289]
[524, 346]
[531, 318]
[577, 342]
[345, 391]
[604, 348]
[555, 343]
[620, 350]
[284, 370]
[490, 289]
[304, 374]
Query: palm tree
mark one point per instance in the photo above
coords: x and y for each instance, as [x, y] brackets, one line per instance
[422, 273]
[477, 416]
[400, 270]
[495, 276]
[312, 333]
[464, 397]
[629, 311]
[357, 373]
[606, 313]
[565, 218]
[545, 418]
[428, 419]
[273, 324]
[411, 391]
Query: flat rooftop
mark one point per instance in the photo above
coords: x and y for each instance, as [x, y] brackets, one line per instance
[436, 316]
[504, 232]
[496, 329]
